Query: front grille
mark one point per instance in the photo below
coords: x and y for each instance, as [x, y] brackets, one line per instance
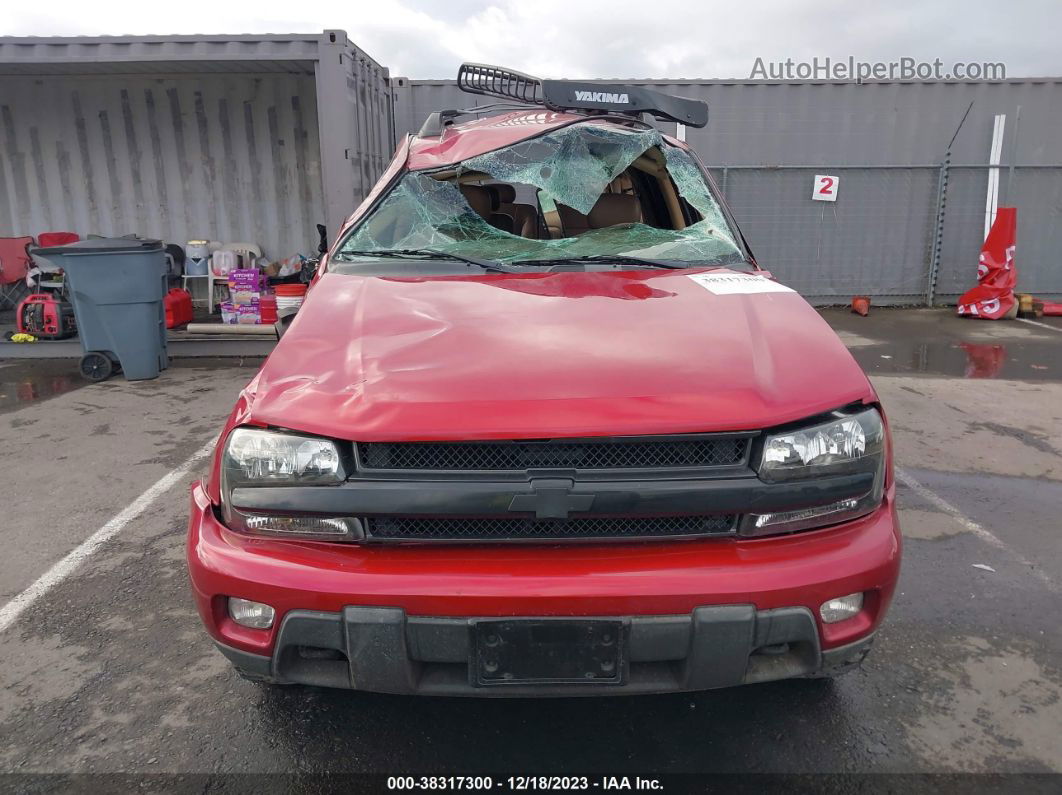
[399, 528]
[648, 453]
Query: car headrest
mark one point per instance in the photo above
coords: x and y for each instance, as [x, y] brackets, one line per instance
[615, 208]
[478, 198]
[503, 194]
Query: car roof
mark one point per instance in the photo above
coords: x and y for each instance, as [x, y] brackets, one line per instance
[472, 138]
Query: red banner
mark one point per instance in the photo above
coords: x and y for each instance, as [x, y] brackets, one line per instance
[993, 297]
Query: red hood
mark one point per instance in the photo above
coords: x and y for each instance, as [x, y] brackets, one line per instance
[548, 355]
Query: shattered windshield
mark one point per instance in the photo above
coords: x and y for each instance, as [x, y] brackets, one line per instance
[583, 190]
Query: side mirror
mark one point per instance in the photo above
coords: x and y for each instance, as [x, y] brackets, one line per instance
[322, 233]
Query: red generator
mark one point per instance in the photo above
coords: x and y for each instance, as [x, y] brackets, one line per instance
[45, 316]
[178, 305]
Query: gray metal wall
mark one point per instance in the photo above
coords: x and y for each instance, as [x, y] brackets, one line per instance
[354, 103]
[887, 141]
[1037, 193]
[184, 137]
[222, 157]
[876, 238]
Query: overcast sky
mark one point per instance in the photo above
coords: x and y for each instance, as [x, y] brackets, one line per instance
[618, 38]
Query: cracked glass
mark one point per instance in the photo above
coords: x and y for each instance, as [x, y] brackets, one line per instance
[573, 166]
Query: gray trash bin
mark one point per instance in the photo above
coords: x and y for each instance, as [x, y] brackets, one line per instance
[117, 286]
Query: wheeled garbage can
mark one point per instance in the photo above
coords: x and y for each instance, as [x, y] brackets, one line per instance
[116, 286]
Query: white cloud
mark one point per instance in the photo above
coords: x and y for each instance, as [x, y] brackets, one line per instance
[596, 38]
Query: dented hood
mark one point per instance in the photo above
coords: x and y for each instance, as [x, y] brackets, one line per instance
[549, 355]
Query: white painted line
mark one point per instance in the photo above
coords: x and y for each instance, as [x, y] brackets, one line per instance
[1038, 323]
[978, 530]
[935, 499]
[10, 612]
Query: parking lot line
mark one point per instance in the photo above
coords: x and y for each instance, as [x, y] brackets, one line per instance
[10, 612]
[978, 530]
[1038, 323]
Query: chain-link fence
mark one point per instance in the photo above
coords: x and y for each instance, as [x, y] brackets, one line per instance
[877, 237]
[902, 234]
[1037, 193]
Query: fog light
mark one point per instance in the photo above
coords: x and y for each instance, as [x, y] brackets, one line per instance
[841, 608]
[251, 614]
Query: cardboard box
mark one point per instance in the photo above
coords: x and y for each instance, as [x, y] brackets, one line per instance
[246, 279]
[250, 315]
[246, 286]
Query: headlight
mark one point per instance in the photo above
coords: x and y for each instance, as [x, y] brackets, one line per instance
[848, 443]
[257, 458]
[845, 444]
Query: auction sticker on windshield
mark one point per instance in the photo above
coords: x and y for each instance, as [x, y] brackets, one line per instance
[738, 283]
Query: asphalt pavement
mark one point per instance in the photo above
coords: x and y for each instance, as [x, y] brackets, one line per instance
[104, 667]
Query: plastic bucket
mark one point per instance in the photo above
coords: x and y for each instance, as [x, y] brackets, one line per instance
[287, 304]
[290, 290]
[200, 249]
[268, 307]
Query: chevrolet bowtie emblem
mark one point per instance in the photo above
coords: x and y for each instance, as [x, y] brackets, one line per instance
[552, 499]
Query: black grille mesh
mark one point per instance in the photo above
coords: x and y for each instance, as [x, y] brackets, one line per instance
[495, 529]
[554, 454]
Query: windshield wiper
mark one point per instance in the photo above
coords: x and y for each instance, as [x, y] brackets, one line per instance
[617, 258]
[430, 253]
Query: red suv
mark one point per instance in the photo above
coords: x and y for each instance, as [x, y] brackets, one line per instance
[543, 427]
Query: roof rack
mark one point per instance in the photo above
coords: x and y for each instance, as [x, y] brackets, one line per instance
[495, 81]
[561, 95]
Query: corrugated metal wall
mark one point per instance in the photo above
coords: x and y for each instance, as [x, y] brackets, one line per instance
[880, 234]
[1037, 193]
[372, 104]
[884, 140]
[357, 128]
[831, 123]
[220, 156]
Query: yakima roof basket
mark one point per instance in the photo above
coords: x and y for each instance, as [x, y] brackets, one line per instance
[560, 95]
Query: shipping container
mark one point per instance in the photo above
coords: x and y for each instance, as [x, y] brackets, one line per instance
[230, 138]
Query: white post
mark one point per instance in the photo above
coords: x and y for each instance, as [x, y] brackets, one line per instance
[992, 197]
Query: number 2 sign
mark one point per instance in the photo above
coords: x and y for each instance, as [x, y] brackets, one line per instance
[825, 189]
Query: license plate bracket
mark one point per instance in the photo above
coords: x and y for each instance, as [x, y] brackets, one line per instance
[531, 651]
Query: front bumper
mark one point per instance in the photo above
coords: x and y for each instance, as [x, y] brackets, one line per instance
[377, 600]
[381, 649]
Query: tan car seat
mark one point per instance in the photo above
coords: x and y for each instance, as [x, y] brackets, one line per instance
[613, 209]
[524, 216]
[573, 222]
[479, 199]
[609, 210]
